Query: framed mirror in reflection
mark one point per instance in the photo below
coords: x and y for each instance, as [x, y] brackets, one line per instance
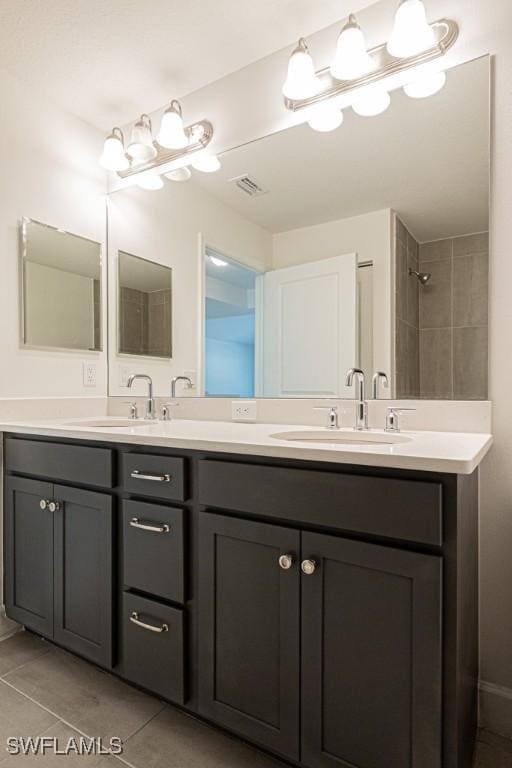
[61, 289]
[144, 301]
[310, 253]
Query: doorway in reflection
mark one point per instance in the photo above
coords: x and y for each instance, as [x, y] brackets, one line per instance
[230, 327]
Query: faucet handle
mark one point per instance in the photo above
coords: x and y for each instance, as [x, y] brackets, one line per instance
[167, 410]
[333, 422]
[392, 417]
[134, 414]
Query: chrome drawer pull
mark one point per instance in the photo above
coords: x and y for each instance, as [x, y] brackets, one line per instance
[134, 618]
[136, 475]
[155, 528]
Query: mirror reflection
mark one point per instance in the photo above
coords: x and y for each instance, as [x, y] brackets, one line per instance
[145, 307]
[61, 288]
[319, 252]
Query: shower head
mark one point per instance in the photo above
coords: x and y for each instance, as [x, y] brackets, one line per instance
[423, 277]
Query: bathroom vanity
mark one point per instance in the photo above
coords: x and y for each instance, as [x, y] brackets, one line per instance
[325, 610]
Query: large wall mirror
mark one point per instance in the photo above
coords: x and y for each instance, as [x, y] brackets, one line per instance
[60, 289]
[309, 253]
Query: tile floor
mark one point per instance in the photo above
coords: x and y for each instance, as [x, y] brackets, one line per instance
[46, 691]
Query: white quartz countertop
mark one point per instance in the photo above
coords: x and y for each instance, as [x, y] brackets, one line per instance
[453, 452]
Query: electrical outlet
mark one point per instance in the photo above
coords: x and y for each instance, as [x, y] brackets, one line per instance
[243, 410]
[124, 375]
[89, 374]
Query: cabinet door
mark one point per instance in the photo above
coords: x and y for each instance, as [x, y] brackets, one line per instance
[29, 554]
[371, 651]
[249, 630]
[83, 573]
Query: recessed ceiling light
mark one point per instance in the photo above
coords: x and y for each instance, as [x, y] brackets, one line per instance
[218, 262]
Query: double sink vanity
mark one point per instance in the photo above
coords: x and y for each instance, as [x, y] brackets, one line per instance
[313, 591]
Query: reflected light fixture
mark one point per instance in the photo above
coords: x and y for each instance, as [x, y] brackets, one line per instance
[150, 182]
[180, 174]
[113, 157]
[301, 81]
[426, 83]
[372, 100]
[412, 33]
[325, 117]
[141, 147]
[172, 133]
[206, 163]
[352, 59]
[218, 262]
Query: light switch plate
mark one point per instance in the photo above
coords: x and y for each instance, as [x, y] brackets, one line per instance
[89, 373]
[244, 410]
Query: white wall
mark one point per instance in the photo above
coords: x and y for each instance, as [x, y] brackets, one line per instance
[49, 173]
[167, 227]
[369, 236]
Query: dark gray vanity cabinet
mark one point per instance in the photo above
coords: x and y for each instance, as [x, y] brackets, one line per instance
[28, 561]
[249, 630]
[367, 621]
[58, 559]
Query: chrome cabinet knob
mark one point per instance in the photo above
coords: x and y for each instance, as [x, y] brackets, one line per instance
[286, 562]
[53, 506]
[44, 504]
[308, 566]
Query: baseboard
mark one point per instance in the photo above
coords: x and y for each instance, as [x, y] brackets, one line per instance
[495, 708]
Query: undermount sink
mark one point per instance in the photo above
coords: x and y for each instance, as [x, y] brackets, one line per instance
[111, 423]
[341, 437]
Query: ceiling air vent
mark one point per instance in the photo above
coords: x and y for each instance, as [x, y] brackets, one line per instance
[248, 185]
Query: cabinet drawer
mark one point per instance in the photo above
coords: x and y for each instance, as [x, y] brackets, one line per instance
[400, 509]
[70, 463]
[153, 557]
[152, 647]
[162, 477]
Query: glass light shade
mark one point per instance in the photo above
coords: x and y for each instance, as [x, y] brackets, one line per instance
[325, 117]
[180, 174]
[351, 60]
[141, 147]
[371, 101]
[301, 82]
[151, 182]
[206, 163]
[426, 84]
[412, 33]
[113, 157]
[172, 133]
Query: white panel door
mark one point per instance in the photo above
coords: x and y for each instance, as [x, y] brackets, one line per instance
[310, 328]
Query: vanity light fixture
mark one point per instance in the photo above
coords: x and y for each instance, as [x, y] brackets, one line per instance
[113, 157]
[172, 134]
[206, 163]
[325, 117]
[180, 174]
[363, 78]
[151, 182]
[412, 33]
[351, 60]
[301, 81]
[141, 147]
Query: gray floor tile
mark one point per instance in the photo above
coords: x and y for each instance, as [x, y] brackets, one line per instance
[491, 757]
[20, 717]
[93, 701]
[19, 649]
[48, 759]
[175, 740]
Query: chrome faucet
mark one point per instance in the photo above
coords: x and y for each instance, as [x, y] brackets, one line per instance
[332, 417]
[175, 380]
[377, 376]
[361, 404]
[150, 402]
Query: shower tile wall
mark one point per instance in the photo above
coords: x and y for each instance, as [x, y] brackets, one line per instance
[452, 318]
[407, 315]
[145, 322]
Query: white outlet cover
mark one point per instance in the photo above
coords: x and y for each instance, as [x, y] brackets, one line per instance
[244, 410]
[90, 374]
